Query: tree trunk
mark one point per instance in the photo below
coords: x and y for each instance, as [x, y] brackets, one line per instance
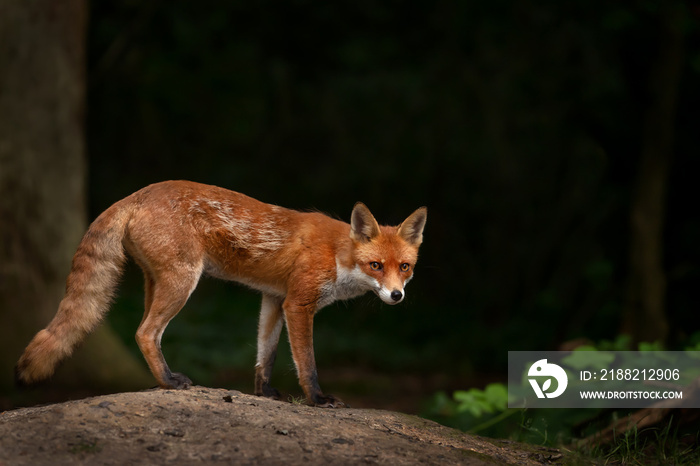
[644, 316]
[42, 186]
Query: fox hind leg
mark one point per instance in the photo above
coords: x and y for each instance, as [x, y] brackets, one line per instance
[269, 329]
[165, 296]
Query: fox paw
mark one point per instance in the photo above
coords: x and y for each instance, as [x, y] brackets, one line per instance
[328, 401]
[269, 392]
[179, 381]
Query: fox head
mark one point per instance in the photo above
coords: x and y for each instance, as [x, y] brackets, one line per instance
[386, 255]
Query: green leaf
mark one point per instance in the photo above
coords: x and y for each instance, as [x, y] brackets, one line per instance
[583, 359]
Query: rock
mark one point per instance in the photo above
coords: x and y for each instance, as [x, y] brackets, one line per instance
[214, 426]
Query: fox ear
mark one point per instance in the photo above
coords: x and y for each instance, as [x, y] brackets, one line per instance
[412, 228]
[363, 226]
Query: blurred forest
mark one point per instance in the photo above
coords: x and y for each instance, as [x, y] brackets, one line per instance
[554, 144]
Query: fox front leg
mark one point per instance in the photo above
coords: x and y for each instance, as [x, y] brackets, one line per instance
[269, 328]
[300, 320]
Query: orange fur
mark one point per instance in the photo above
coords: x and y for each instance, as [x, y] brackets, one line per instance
[178, 230]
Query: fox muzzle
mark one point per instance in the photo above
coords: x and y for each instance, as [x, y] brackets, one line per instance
[390, 296]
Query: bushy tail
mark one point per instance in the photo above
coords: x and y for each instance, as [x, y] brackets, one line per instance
[97, 266]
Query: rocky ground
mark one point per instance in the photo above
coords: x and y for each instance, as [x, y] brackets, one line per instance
[216, 426]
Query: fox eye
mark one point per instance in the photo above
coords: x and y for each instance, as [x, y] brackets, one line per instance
[375, 265]
[405, 267]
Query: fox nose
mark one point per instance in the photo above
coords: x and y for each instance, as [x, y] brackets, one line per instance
[396, 295]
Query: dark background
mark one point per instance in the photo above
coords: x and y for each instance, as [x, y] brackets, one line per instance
[523, 126]
[519, 124]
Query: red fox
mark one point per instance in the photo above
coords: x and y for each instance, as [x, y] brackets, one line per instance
[178, 230]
